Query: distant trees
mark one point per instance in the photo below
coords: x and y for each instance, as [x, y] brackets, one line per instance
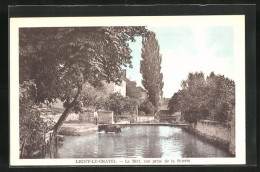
[151, 68]
[132, 90]
[146, 107]
[200, 98]
[92, 97]
[220, 97]
[119, 104]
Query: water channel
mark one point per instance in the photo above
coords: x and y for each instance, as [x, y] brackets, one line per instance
[139, 141]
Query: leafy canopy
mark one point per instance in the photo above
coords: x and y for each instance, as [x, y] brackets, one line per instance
[146, 107]
[119, 104]
[61, 60]
[200, 98]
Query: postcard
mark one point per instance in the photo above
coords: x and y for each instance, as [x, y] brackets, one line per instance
[135, 90]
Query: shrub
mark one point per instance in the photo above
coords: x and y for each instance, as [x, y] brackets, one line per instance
[211, 98]
[141, 113]
[33, 122]
[147, 107]
[119, 104]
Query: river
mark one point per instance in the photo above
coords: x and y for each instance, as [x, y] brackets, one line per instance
[139, 141]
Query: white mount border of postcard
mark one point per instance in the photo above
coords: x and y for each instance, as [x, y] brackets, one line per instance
[235, 21]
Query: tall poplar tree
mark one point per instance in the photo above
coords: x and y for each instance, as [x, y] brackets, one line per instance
[151, 68]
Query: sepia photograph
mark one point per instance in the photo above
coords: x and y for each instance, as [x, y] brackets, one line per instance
[161, 90]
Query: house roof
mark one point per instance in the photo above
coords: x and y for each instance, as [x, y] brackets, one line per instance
[141, 89]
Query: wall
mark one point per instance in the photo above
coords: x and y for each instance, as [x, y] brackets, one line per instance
[216, 130]
[120, 88]
[104, 117]
[143, 95]
[113, 88]
[216, 133]
[123, 119]
[144, 119]
[72, 117]
[232, 145]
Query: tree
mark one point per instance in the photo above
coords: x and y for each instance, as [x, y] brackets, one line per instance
[132, 90]
[147, 107]
[61, 60]
[119, 104]
[151, 68]
[92, 97]
[220, 97]
[200, 98]
[174, 104]
[193, 104]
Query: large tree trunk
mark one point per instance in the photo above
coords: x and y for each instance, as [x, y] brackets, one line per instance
[65, 114]
[61, 120]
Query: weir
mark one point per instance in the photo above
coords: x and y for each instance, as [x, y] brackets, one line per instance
[153, 124]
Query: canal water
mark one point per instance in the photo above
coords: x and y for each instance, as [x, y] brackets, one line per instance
[139, 141]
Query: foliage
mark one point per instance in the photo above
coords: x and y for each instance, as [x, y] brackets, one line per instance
[220, 96]
[141, 113]
[147, 107]
[33, 124]
[119, 104]
[151, 68]
[61, 60]
[131, 90]
[200, 98]
[93, 98]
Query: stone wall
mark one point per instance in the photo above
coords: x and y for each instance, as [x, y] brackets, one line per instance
[111, 88]
[144, 119]
[104, 117]
[214, 129]
[232, 145]
[72, 117]
[216, 133]
[123, 119]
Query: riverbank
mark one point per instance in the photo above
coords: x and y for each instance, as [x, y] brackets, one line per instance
[215, 133]
[77, 129]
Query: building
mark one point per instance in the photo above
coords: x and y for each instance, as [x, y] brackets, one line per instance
[115, 88]
[142, 93]
[163, 108]
[132, 90]
[166, 115]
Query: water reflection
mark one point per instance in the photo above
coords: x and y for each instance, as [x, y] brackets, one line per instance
[139, 141]
[170, 144]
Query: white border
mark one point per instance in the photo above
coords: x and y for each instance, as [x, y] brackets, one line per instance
[235, 21]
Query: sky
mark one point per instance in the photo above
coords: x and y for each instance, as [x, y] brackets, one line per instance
[188, 49]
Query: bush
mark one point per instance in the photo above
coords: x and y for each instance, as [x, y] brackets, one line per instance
[211, 98]
[141, 113]
[119, 104]
[147, 107]
[33, 122]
